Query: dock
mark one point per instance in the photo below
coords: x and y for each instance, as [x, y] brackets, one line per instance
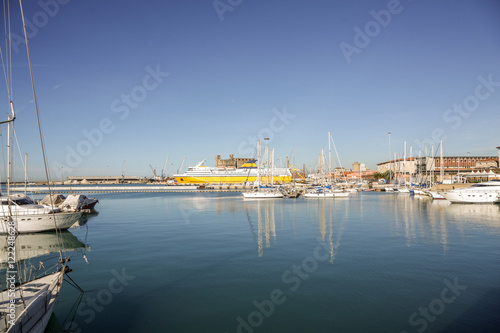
[126, 189]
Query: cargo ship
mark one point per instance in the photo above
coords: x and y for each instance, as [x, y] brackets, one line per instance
[247, 173]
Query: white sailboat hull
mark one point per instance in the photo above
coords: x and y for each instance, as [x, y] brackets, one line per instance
[326, 194]
[320, 195]
[39, 297]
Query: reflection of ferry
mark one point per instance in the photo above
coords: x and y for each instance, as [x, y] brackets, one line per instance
[201, 174]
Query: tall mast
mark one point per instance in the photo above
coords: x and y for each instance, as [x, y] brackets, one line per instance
[26, 174]
[390, 164]
[441, 172]
[411, 155]
[272, 167]
[433, 166]
[329, 157]
[259, 153]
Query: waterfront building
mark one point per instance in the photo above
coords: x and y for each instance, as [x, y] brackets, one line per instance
[451, 165]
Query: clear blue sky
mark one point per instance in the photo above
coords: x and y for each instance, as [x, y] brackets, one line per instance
[232, 66]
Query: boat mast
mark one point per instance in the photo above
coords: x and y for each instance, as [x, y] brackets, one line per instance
[9, 146]
[259, 156]
[404, 163]
[433, 165]
[26, 174]
[390, 164]
[329, 158]
[272, 167]
[441, 172]
[411, 156]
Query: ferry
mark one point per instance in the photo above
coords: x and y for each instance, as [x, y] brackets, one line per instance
[247, 173]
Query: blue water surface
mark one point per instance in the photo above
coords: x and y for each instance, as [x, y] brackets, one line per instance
[215, 262]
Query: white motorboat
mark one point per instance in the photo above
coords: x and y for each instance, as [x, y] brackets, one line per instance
[27, 217]
[74, 202]
[485, 192]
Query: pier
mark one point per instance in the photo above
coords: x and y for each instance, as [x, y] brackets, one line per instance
[127, 189]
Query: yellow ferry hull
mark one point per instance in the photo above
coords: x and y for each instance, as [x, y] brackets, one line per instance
[230, 179]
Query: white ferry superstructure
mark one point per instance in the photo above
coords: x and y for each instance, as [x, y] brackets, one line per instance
[247, 173]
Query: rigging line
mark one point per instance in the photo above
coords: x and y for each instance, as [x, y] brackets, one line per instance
[75, 307]
[18, 148]
[3, 154]
[74, 283]
[35, 101]
[8, 50]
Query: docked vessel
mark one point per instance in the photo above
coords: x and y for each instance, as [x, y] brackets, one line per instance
[247, 173]
[29, 217]
[486, 192]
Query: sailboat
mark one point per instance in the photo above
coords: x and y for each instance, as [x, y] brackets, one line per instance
[27, 302]
[326, 191]
[268, 191]
[28, 307]
[323, 191]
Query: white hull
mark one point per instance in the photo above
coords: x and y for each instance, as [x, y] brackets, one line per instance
[29, 223]
[472, 197]
[480, 193]
[436, 195]
[262, 195]
[328, 194]
[319, 195]
[39, 297]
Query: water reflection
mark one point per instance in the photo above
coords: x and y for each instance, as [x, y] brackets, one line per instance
[431, 220]
[266, 224]
[328, 216]
[29, 246]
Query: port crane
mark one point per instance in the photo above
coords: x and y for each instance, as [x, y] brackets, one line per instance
[155, 177]
[182, 164]
[164, 169]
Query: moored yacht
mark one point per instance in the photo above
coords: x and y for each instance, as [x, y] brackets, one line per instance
[30, 217]
[485, 192]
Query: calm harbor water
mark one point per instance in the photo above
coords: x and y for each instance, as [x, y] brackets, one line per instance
[214, 262]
